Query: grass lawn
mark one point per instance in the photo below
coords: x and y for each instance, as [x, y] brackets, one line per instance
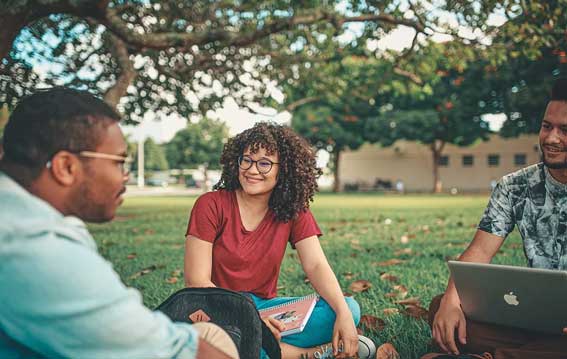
[145, 244]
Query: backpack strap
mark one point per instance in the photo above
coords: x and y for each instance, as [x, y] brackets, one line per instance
[269, 343]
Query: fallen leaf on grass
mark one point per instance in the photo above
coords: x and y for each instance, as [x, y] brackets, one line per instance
[389, 277]
[415, 311]
[355, 242]
[404, 239]
[403, 251]
[389, 262]
[348, 275]
[143, 272]
[149, 231]
[176, 273]
[387, 351]
[360, 285]
[390, 311]
[371, 322]
[409, 301]
[172, 280]
[400, 291]
[401, 288]
[131, 256]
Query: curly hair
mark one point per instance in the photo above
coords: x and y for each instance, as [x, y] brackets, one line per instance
[298, 172]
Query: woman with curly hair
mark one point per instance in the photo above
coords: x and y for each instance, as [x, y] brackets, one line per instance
[237, 236]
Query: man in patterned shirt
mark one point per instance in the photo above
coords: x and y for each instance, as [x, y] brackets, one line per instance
[534, 199]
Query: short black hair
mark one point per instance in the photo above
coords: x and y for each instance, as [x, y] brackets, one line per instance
[559, 90]
[53, 120]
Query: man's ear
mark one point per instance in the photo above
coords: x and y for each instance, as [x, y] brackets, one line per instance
[65, 168]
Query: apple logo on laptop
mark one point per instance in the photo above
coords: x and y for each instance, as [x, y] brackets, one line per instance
[511, 299]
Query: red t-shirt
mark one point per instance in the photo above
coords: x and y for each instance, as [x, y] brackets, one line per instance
[247, 261]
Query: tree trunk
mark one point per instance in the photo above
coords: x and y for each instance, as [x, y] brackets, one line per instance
[336, 182]
[436, 150]
[141, 164]
[127, 73]
[206, 177]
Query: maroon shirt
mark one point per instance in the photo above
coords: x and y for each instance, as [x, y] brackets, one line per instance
[246, 261]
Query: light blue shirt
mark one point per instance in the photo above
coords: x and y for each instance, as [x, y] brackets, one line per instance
[60, 298]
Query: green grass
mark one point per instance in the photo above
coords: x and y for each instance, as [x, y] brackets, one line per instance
[148, 233]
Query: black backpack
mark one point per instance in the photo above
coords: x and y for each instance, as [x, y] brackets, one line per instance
[232, 311]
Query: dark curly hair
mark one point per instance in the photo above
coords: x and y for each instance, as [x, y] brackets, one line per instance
[298, 171]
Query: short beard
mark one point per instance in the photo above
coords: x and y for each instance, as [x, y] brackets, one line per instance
[553, 166]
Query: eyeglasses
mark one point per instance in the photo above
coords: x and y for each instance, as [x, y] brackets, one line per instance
[263, 165]
[123, 162]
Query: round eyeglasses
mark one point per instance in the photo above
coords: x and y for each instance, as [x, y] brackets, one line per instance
[263, 165]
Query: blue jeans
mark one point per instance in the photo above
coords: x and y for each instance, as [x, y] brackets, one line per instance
[319, 328]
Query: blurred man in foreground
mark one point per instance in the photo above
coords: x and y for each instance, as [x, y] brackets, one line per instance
[65, 162]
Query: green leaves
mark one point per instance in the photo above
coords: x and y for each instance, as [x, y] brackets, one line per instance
[199, 143]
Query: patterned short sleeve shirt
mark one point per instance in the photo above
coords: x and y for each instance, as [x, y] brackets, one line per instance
[536, 203]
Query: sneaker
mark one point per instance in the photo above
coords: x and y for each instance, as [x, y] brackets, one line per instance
[366, 349]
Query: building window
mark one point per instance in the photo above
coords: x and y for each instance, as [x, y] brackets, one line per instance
[493, 160]
[443, 161]
[520, 159]
[468, 160]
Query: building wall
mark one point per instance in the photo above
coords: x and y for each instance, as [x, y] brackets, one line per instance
[411, 163]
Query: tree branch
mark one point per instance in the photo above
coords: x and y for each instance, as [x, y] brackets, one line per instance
[116, 25]
[294, 105]
[127, 72]
[413, 77]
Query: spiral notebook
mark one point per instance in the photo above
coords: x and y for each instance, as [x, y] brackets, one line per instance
[294, 314]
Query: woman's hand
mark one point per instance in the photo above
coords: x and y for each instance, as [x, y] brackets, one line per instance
[345, 336]
[275, 326]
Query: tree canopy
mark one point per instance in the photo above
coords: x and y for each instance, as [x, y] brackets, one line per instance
[187, 56]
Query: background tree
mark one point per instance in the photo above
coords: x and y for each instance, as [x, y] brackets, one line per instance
[438, 95]
[154, 156]
[200, 143]
[332, 101]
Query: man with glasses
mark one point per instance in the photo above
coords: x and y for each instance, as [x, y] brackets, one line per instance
[65, 162]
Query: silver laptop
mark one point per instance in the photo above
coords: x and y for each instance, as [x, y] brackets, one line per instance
[529, 298]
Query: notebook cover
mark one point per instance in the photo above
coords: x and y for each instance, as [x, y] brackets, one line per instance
[294, 314]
